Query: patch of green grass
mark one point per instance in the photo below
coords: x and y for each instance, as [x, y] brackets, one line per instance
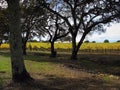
[45, 68]
[35, 64]
[5, 64]
[5, 69]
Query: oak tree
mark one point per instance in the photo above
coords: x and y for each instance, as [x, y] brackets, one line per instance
[19, 72]
[84, 16]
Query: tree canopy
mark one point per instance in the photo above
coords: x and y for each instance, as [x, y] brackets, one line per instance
[84, 16]
[4, 29]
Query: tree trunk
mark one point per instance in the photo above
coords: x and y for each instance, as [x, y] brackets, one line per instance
[24, 41]
[74, 46]
[19, 73]
[24, 48]
[81, 41]
[53, 52]
[74, 55]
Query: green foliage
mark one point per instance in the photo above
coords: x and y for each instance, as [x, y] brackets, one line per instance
[118, 41]
[93, 41]
[3, 25]
[106, 41]
[87, 41]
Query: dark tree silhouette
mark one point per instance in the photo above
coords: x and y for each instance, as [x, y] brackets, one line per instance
[118, 40]
[55, 29]
[32, 18]
[106, 41]
[87, 41]
[4, 30]
[84, 16]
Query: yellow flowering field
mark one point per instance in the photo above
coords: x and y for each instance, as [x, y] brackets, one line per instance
[4, 46]
[95, 46]
[91, 46]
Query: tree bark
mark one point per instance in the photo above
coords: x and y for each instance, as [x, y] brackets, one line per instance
[81, 41]
[24, 48]
[74, 46]
[53, 52]
[24, 41]
[19, 73]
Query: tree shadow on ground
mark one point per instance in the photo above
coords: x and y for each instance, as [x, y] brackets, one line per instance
[96, 63]
[59, 83]
[88, 63]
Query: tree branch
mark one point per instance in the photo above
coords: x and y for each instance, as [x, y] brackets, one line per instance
[56, 13]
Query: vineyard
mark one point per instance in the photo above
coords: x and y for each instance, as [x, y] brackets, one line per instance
[86, 47]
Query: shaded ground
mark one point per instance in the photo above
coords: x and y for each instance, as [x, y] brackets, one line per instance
[90, 72]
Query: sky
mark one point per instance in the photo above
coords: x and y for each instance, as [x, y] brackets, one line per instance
[112, 34]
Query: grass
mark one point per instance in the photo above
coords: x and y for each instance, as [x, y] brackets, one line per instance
[5, 65]
[5, 70]
[90, 72]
